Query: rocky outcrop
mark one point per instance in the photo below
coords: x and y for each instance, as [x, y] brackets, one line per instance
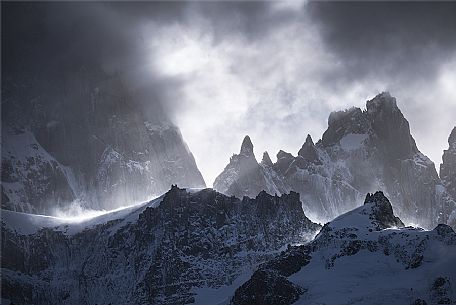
[172, 250]
[367, 248]
[362, 151]
[382, 212]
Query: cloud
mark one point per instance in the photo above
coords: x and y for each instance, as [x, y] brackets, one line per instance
[273, 70]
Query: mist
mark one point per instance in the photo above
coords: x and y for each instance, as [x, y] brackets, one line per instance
[272, 70]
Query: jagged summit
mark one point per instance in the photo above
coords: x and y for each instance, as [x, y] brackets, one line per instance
[188, 240]
[309, 140]
[354, 251]
[381, 101]
[361, 151]
[266, 159]
[382, 215]
[308, 143]
[247, 146]
[344, 116]
[378, 198]
[308, 151]
[376, 214]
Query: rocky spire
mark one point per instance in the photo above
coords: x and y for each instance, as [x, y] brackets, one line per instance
[308, 151]
[266, 159]
[246, 147]
[390, 127]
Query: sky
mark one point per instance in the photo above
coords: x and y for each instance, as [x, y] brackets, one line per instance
[270, 70]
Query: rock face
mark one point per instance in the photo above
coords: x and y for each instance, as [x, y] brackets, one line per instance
[448, 167]
[184, 247]
[361, 151]
[95, 146]
[367, 248]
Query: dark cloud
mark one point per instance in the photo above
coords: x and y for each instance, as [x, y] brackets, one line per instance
[401, 39]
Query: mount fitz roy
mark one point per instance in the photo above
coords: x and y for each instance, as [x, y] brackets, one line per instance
[361, 151]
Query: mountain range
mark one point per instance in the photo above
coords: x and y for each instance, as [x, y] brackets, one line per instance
[250, 240]
[361, 151]
[203, 247]
[183, 247]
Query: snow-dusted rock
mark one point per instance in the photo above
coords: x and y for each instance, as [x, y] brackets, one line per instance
[448, 167]
[361, 151]
[365, 256]
[186, 246]
[244, 176]
[85, 138]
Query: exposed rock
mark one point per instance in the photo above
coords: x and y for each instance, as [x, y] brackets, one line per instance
[160, 253]
[95, 147]
[448, 167]
[246, 147]
[266, 161]
[244, 176]
[364, 256]
[382, 211]
[361, 151]
[308, 151]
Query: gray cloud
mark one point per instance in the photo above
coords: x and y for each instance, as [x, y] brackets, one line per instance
[273, 70]
[397, 39]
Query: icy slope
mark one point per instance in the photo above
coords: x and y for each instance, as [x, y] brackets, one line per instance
[365, 256]
[186, 246]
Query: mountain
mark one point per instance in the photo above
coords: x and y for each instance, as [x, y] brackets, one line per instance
[85, 139]
[361, 151]
[448, 167]
[83, 123]
[244, 176]
[365, 256]
[187, 246]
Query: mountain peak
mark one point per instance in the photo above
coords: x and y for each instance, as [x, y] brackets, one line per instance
[390, 126]
[309, 140]
[383, 100]
[382, 212]
[308, 151]
[247, 146]
[266, 159]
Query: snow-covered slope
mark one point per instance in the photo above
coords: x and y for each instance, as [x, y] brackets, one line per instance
[365, 256]
[361, 151]
[183, 247]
